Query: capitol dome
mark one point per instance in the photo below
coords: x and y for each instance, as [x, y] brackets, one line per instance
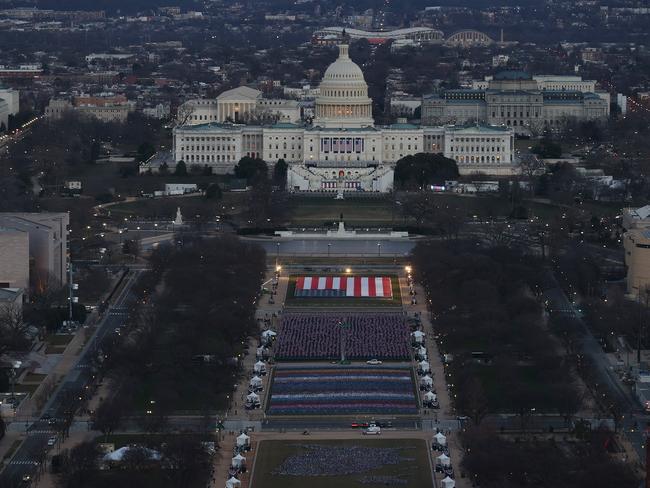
[343, 100]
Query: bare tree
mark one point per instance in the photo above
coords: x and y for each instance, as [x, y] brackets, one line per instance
[13, 330]
[185, 112]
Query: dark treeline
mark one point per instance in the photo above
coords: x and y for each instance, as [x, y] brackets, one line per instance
[181, 349]
[489, 317]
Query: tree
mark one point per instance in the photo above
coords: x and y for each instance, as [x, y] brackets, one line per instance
[181, 169]
[145, 151]
[79, 465]
[185, 459]
[213, 191]
[280, 174]
[163, 169]
[132, 247]
[474, 402]
[421, 170]
[251, 169]
[547, 148]
[13, 329]
[109, 413]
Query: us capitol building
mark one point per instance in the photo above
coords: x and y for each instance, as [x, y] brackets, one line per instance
[342, 150]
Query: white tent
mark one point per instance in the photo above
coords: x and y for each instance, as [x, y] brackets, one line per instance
[440, 439]
[426, 381]
[259, 367]
[256, 382]
[267, 334]
[119, 454]
[253, 398]
[430, 396]
[243, 440]
[422, 352]
[237, 461]
[418, 336]
[260, 352]
[233, 483]
[424, 366]
[444, 460]
[448, 483]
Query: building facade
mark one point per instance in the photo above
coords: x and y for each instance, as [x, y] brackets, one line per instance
[47, 235]
[515, 99]
[114, 108]
[239, 105]
[14, 258]
[343, 150]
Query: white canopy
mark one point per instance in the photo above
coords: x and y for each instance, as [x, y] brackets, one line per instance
[430, 396]
[242, 439]
[256, 381]
[119, 454]
[237, 461]
[259, 366]
[253, 397]
[422, 352]
[418, 335]
[232, 482]
[424, 366]
[269, 333]
[426, 380]
[448, 483]
[440, 439]
[444, 460]
[260, 351]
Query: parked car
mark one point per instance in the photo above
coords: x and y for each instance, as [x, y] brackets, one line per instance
[372, 429]
[374, 362]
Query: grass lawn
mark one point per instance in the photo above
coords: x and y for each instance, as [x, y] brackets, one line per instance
[379, 212]
[414, 468]
[34, 378]
[21, 388]
[293, 301]
[500, 397]
[58, 339]
[54, 349]
[366, 211]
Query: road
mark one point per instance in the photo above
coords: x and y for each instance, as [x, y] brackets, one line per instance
[31, 450]
[633, 421]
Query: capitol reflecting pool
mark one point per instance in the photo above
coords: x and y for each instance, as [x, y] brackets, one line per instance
[356, 247]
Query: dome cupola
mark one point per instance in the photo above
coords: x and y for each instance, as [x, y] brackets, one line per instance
[343, 100]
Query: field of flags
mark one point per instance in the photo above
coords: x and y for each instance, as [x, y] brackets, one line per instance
[344, 286]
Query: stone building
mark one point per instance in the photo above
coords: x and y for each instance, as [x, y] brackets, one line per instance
[516, 99]
[342, 150]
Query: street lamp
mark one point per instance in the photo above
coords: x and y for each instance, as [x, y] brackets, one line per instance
[15, 366]
[328, 249]
[379, 249]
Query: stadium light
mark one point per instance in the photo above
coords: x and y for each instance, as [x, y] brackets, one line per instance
[348, 270]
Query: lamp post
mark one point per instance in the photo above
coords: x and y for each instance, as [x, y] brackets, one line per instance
[328, 249]
[15, 366]
[379, 249]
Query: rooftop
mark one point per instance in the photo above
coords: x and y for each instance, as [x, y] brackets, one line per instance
[512, 75]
